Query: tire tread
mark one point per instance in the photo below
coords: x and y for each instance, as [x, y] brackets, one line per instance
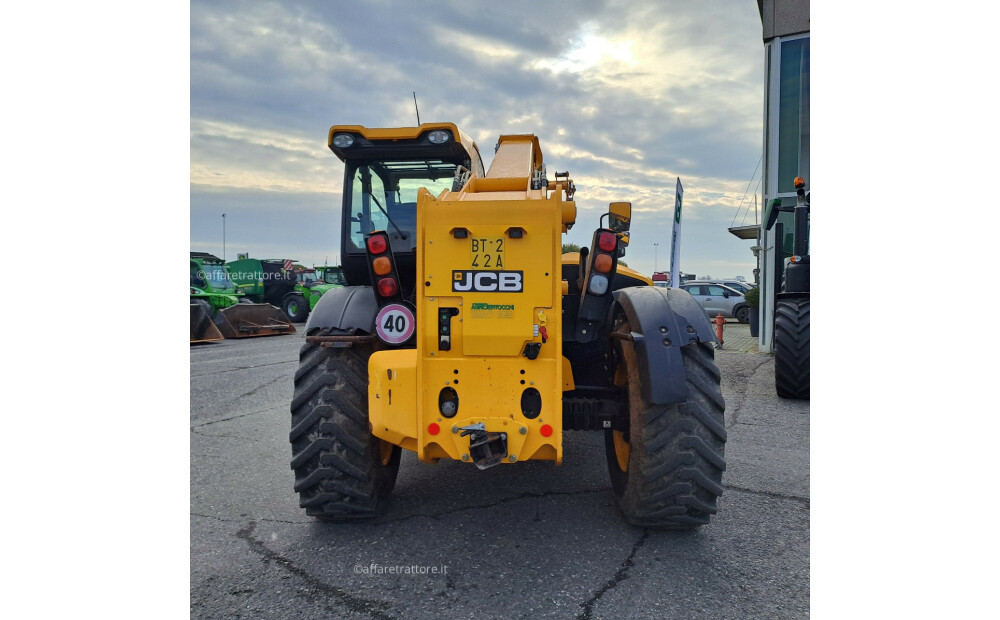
[338, 470]
[791, 348]
[677, 451]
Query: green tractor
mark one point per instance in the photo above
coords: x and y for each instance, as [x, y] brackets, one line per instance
[219, 310]
[331, 275]
[309, 287]
[791, 305]
[211, 292]
[263, 280]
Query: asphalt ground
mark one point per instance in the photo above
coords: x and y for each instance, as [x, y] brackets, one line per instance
[526, 540]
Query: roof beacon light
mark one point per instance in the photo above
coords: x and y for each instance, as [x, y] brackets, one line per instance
[799, 182]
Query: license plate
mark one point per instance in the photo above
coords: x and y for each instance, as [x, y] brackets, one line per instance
[488, 253]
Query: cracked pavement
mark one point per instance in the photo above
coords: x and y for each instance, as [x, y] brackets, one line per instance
[529, 540]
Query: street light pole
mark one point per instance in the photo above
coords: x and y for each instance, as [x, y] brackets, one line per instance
[655, 254]
[223, 237]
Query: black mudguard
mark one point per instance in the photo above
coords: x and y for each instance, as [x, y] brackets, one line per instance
[347, 308]
[797, 277]
[650, 311]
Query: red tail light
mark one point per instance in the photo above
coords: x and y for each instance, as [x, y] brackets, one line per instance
[377, 244]
[608, 242]
[387, 287]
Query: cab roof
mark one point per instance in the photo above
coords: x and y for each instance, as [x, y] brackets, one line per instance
[382, 142]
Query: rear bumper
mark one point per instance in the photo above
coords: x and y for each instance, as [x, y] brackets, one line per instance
[490, 392]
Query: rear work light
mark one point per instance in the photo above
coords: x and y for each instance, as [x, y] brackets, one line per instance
[343, 140]
[438, 136]
[608, 242]
[377, 244]
[387, 287]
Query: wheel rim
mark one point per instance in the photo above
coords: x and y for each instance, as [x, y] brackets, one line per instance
[621, 449]
[385, 451]
[293, 308]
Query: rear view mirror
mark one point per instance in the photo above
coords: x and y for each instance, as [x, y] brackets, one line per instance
[619, 216]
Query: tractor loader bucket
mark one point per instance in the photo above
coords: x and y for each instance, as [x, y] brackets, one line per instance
[202, 327]
[249, 320]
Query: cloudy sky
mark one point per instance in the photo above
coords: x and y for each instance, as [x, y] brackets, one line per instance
[628, 95]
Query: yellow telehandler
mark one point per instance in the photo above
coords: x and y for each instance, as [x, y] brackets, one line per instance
[465, 334]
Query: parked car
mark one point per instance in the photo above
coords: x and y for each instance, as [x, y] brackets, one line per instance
[719, 299]
[737, 285]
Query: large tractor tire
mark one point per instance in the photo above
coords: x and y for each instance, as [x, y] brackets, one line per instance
[297, 308]
[666, 469]
[342, 471]
[791, 348]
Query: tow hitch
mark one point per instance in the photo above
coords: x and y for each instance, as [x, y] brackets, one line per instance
[486, 449]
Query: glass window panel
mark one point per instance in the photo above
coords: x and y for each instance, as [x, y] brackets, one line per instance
[384, 197]
[793, 114]
[767, 126]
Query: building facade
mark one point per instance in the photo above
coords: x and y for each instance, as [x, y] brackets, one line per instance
[785, 25]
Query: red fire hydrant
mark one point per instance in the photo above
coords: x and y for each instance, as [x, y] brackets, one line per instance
[719, 322]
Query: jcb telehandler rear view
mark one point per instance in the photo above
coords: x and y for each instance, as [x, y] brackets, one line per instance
[464, 334]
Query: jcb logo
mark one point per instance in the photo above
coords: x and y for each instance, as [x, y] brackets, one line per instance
[487, 281]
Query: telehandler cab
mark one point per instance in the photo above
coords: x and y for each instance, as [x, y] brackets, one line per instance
[464, 334]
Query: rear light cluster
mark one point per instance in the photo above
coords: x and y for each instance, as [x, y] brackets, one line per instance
[382, 268]
[598, 268]
[603, 259]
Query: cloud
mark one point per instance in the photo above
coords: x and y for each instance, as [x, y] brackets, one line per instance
[626, 95]
[238, 156]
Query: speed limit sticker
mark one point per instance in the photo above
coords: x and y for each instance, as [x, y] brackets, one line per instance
[394, 324]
